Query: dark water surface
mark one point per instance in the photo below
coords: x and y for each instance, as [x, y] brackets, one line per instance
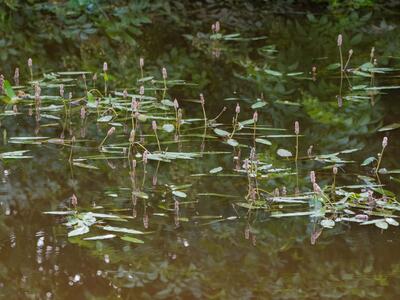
[210, 248]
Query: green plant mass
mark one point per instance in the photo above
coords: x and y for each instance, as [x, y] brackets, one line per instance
[199, 150]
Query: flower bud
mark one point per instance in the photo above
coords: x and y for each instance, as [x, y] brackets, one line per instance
[141, 62]
[16, 76]
[384, 142]
[312, 177]
[105, 67]
[74, 200]
[237, 110]
[339, 40]
[296, 128]
[255, 117]
[30, 62]
[154, 125]
[334, 170]
[62, 90]
[111, 131]
[164, 73]
[217, 26]
[83, 112]
[202, 101]
[317, 188]
[145, 156]
[176, 104]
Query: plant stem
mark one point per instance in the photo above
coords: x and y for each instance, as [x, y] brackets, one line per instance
[379, 161]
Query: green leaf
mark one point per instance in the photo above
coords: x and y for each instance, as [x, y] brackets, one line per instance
[100, 237]
[131, 239]
[216, 170]
[284, 153]
[90, 97]
[122, 229]
[78, 231]
[232, 142]
[382, 225]
[105, 119]
[221, 132]
[9, 90]
[367, 161]
[263, 141]
[328, 223]
[390, 127]
[86, 166]
[392, 221]
[168, 127]
[258, 104]
[179, 194]
[273, 73]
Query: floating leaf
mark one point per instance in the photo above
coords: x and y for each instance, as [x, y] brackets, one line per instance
[122, 229]
[14, 154]
[167, 102]
[142, 195]
[105, 119]
[221, 132]
[86, 166]
[168, 127]
[60, 213]
[390, 127]
[327, 223]
[232, 142]
[392, 221]
[258, 104]
[179, 194]
[263, 141]
[216, 170]
[382, 225]
[131, 239]
[273, 73]
[78, 231]
[367, 161]
[284, 153]
[100, 237]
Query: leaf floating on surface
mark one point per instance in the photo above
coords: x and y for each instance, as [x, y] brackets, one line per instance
[263, 141]
[221, 132]
[78, 231]
[232, 142]
[390, 127]
[122, 229]
[328, 223]
[284, 153]
[100, 237]
[132, 239]
[168, 127]
[15, 154]
[216, 170]
[179, 194]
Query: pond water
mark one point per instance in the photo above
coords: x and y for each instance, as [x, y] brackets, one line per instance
[189, 209]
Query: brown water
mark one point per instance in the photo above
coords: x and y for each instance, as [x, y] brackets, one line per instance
[210, 248]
